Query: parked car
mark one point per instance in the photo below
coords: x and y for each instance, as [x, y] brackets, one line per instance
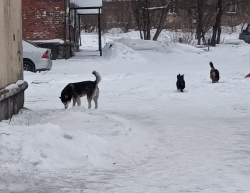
[36, 58]
[245, 34]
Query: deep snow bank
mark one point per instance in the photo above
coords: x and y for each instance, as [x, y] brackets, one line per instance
[126, 48]
[46, 146]
[139, 44]
[160, 46]
[115, 50]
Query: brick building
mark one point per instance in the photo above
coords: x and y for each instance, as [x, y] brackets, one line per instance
[50, 20]
[43, 19]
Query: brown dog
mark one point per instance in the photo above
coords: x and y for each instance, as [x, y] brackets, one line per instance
[214, 73]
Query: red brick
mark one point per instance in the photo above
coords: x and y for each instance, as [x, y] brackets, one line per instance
[43, 20]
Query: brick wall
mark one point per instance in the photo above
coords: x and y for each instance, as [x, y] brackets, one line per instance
[43, 19]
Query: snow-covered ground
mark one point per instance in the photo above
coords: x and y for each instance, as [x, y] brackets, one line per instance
[145, 137]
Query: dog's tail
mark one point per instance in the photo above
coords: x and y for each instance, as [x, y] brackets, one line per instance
[212, 65]
[98, 77]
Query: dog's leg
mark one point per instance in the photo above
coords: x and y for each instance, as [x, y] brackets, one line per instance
[89, 98]
[96, 102]
[78, 100]
[96, 96]
[74, 102]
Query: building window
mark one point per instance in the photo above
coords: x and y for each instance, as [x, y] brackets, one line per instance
[232, 6]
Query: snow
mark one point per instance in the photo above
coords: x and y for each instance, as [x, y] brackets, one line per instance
[14, 85]
[12, 89]
[145, 136]
[234, 42]
[50, 41]
[119, 51]
[88, 3]
[138, 44]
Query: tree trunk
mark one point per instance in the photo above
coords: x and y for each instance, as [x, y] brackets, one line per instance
[217, 25]
[159, 27]
[147, 21]
[138, 15]
[218, 36]
[157, 33]
[200, 17]
[141, 36]
[213, 36]
[144, 25]
[147, 13]
[199, 31]
[148, 26]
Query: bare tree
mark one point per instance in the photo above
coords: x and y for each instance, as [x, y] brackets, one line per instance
[142, 16]
[245, 10]
[217, 25]
[221, 6]
[161, 12]
[200, 14]
[200, 9]
[148, 14]
[195, 16]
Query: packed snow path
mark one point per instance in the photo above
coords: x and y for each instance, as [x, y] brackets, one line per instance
[145, 136]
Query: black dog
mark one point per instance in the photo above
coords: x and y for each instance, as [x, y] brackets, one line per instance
[74, 91]
[214, 73]
[180, 84]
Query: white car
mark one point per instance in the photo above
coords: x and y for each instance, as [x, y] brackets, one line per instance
[36, 58]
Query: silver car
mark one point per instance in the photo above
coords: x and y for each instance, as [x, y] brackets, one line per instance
[245, 34]
[36, 58]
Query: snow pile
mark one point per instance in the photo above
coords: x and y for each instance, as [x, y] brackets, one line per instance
[15, 85]
[117, 33]
[160, 46]
[185, 48]
[46, 146]
[139, 44]
[114, 31]
[165, 46]
[144, 129]
[116, 50]
[13, 89]
[234, 41]
[50, 41]
[231, 38]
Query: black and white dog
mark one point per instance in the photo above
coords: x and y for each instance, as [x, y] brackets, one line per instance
[214, 73]
[79, 89]
[180, 84]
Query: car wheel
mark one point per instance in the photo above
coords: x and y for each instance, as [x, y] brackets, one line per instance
[28, 66]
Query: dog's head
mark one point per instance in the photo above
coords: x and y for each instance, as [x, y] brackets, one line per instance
[65, 100]
[180, 77]
[66, 95]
